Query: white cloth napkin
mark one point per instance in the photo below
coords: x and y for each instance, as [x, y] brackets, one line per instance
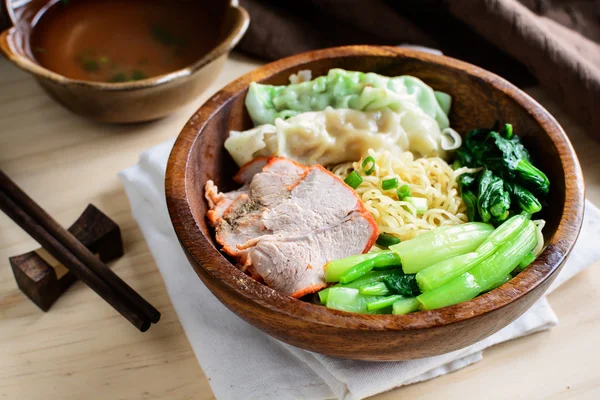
[241, 362]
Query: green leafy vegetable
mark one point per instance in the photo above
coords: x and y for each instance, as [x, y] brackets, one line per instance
[369, 279]
[523, 197]
[471, 201]
[508, 183]
[385, 240]
[493, 202]
[405, 285]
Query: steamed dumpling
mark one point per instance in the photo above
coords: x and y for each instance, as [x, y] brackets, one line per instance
[333, 136]
[345, 89]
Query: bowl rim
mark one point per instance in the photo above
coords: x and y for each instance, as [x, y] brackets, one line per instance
[196, 244]
[229, 41]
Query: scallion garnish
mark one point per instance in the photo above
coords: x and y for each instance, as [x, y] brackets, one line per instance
[403, 192]
[368, 165]
[420, 204]
[353, 180]
[388, 184]
[385, 240]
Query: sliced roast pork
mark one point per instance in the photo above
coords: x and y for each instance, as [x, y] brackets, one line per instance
[292, 221]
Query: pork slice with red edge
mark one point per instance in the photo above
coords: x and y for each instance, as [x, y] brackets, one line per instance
[291, 222]
[322, 220]
[241, 220]
[247, 172]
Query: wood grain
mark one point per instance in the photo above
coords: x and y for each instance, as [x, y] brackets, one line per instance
[76, 352]
[479, 99]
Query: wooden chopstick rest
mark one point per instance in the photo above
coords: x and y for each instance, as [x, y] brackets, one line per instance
[43, 279]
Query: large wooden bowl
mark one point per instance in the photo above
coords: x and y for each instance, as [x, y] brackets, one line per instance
[479, 99]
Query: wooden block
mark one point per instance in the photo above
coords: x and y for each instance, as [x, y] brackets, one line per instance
[43, 279]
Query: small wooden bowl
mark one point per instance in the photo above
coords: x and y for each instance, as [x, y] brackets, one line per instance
[479, 99]
[137, 101]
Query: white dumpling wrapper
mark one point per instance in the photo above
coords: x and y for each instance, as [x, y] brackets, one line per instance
[333, 136]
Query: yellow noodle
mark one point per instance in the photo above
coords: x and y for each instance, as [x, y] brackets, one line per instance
[430, 178]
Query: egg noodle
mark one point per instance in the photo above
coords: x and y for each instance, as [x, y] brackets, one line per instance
[430, 178]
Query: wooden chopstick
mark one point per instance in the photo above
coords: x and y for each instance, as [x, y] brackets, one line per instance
[23, 210]
[54, 247]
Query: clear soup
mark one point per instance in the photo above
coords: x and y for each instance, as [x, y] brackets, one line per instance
[121, 41]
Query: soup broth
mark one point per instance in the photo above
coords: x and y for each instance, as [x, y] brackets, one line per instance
[120, 41]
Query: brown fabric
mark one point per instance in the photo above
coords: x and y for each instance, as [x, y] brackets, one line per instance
[553, 42]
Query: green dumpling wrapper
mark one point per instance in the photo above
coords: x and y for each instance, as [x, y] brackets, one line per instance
[346, 89]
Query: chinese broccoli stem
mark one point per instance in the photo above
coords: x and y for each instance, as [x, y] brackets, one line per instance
[349, 299]
[524, 263]
[485, 274]
[501, 282]
[383, 302]
[374, 289]
[369, 279]
[383, 259]
[446, 270]
[405, 305]
[440, 244]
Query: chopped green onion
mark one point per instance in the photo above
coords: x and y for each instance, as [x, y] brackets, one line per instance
[138, 75]
[456, 164]
[420, 204]
[388, 184]
[374, 289]
[90, 65]
[382, 303]
[353, 180]
[406, 305]
[385, 240]
[357, 271]
[403, 192]
[120, 77]
[368, 165]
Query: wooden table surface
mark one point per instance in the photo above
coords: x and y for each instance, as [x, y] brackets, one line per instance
[83, 349]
